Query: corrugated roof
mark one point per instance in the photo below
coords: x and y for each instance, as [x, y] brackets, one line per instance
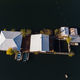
[45, 43]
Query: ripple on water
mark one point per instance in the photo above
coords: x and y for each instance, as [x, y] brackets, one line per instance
[61, 13]
[63, 19]
[58, 7]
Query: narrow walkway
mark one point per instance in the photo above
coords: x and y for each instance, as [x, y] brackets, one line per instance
[21, 56]
[15, 56]
[62, 53]
[28, 56]
[69, 49]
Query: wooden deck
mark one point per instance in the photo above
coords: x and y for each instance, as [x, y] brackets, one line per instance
[15, 56]
[61, 37]
[62, 53]
[25, 47]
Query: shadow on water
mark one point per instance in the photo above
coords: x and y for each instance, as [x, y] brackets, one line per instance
[56, 45]
[63, 46]
[32, 56]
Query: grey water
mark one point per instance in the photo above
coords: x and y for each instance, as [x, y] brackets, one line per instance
[36, 15]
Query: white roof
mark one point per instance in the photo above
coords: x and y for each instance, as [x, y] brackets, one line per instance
[73, 31]
[75, 38]
[39, 42]
[74, 35]
[10, 39]
[64, 31]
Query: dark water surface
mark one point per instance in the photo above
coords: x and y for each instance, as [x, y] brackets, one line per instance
[38, 14]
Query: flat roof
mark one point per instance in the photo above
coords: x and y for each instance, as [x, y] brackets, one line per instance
[75, 38]
[64, 31]
[39, 42]
[73, 31]
[25, 47]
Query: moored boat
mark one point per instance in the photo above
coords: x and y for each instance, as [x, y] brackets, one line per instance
[24, 57]
[19, 56]
[66, 76]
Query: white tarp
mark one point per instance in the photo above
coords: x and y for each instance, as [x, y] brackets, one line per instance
[64, 31]
[75, 38]
[39, 42]
[10, 39]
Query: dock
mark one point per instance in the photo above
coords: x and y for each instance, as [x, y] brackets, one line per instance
[69, 49]
[15, 56]
[21, 56]
[62, 53]
[59, 53]
[25, 47]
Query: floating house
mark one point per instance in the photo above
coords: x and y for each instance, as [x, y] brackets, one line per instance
[64, 31]
[74, 35]
[10, 39]
[39, 43]
[19, 56]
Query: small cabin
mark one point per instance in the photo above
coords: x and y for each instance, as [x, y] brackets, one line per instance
[39, 43]
[64, 31]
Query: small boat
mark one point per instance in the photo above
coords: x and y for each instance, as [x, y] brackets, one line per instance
[19, 56]
[76, 44]
[25, 57]
[66, 76]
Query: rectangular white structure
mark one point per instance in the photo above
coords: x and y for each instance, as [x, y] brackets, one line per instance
[64, 31]
[74, 35]
[39, 42]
